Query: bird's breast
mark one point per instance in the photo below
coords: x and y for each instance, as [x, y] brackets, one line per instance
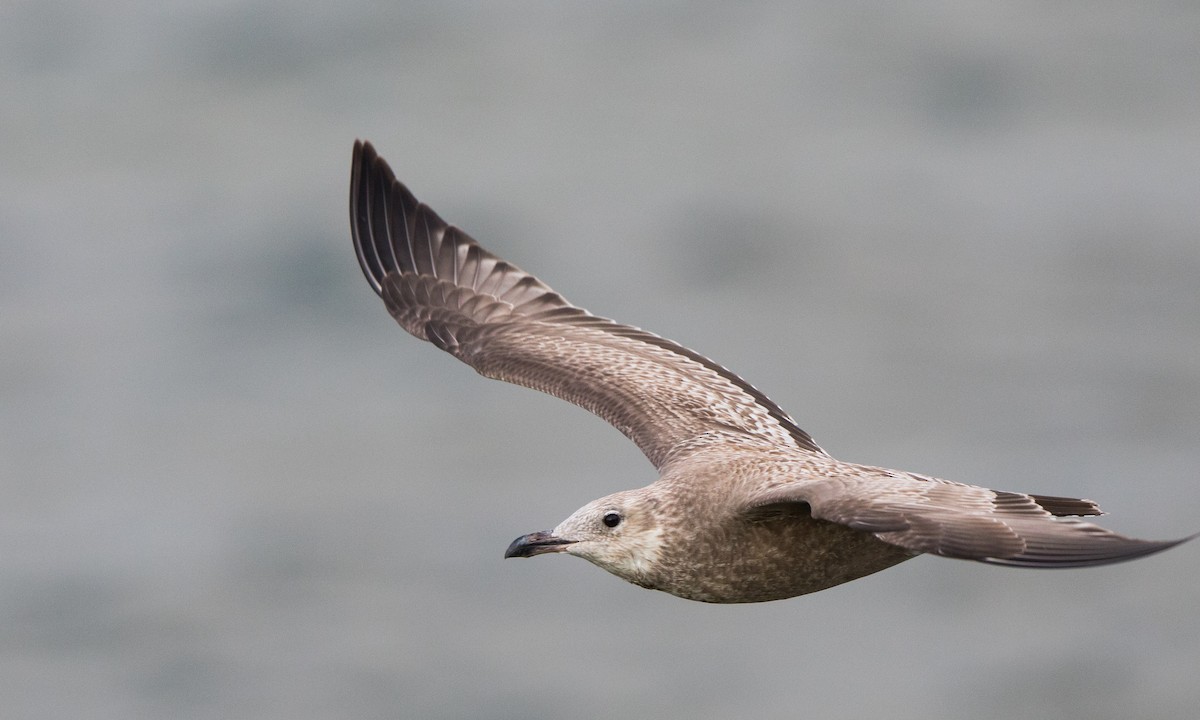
[778, 553]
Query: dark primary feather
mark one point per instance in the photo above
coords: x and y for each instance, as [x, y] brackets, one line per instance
[443, 287]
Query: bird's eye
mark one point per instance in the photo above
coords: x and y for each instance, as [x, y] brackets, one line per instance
[612, 519]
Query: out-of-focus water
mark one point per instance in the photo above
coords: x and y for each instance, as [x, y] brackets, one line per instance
[955, 238]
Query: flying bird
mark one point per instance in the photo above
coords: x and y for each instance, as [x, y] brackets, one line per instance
[747, 507]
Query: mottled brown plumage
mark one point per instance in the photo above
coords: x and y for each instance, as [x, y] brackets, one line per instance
[747, 506]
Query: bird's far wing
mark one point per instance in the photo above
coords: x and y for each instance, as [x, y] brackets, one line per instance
[929, 515]
[441, 286]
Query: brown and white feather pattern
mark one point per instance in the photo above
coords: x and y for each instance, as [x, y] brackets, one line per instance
[441, 286]
[732, 462]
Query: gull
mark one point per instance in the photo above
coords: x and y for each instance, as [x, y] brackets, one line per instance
[747, 507]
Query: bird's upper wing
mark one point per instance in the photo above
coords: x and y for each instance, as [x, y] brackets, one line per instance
[441, 286]
[930, 515]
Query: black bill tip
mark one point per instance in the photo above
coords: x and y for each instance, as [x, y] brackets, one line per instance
[537, 543]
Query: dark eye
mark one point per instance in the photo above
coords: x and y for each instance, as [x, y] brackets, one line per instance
[612, 519]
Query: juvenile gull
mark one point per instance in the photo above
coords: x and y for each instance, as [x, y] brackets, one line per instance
[747, 507]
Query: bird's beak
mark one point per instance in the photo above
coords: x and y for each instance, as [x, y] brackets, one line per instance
[537, 543]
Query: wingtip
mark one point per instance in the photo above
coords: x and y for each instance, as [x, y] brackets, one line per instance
[373, 188]
[362, 149]
[361, 160]
[1067, 506]
[1124, 549]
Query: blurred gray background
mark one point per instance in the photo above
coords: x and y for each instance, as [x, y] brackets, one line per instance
[955, 238]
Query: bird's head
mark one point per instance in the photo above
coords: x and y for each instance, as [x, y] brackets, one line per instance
[621, 533]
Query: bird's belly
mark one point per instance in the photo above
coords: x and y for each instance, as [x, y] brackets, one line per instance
[776, 559]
